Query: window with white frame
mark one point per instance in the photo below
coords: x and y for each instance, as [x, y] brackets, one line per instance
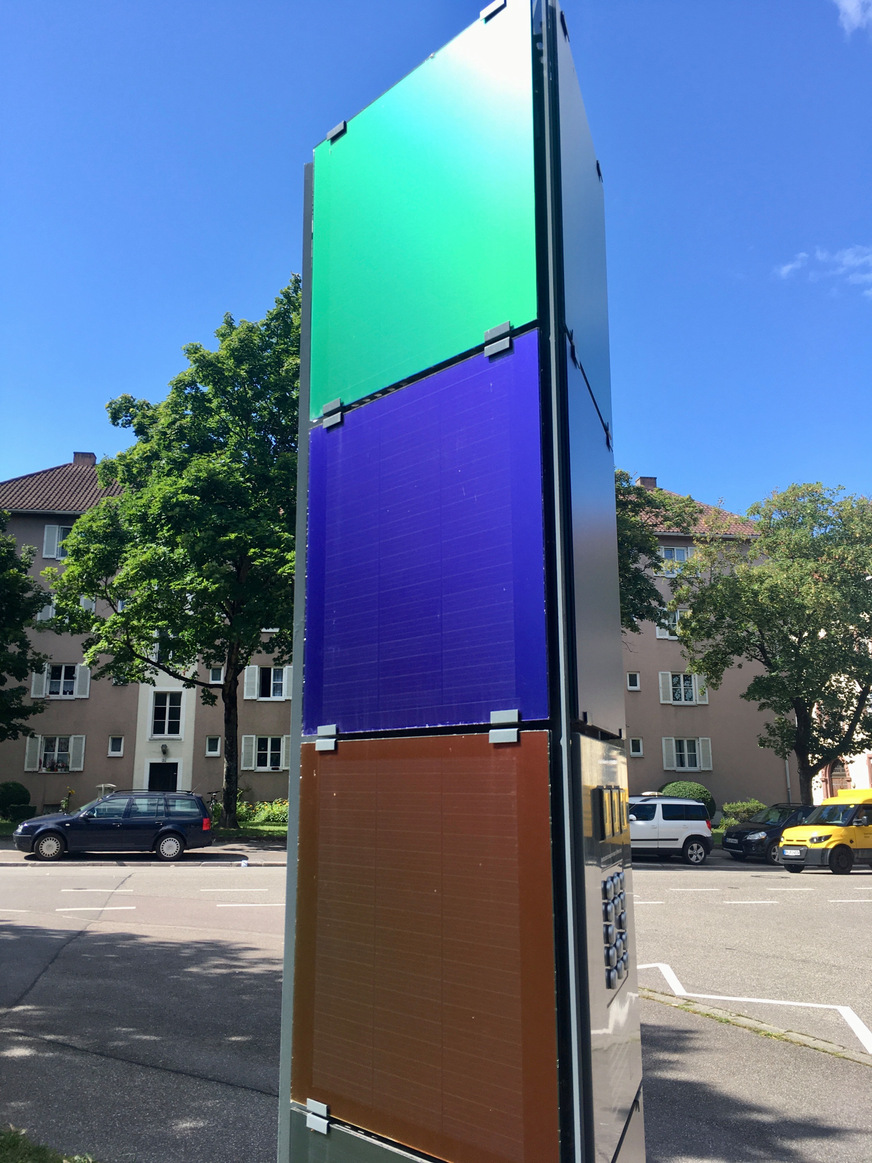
[61, 681]
[267, 682]
[53, 541]
[636, 750]
[671, 618]
[116, 746]
[216, 675]
[634, 680]
[687, 754]
[265, 752]
[213, 746]
[682, 689]
[673, 557]
[269, 752]
[46, 613]
[54, 753]
[167, 713]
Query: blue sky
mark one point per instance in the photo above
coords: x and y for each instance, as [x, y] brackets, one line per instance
[151, 179]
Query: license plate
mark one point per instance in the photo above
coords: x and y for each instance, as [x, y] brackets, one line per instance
[791, 852]
[731, 842]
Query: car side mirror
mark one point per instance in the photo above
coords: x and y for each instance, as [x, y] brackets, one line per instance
[87, 815]
[632, 817]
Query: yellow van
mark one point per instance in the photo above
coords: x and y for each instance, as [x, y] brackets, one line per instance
[837, 835]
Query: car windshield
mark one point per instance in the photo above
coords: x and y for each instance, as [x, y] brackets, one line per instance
[770, 815]
[88, 805]
[831, 814]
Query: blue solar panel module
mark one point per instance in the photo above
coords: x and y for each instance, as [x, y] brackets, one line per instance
[425, 600]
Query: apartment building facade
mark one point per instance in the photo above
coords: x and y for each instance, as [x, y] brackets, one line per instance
[94, 735]
[678, 729]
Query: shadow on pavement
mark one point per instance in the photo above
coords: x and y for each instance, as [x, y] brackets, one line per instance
[130, 1046]
[714, 1092]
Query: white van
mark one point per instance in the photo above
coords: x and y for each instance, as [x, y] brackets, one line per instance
[671, 826]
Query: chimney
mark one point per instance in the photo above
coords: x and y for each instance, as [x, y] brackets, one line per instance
[649, 483]
[84, 458]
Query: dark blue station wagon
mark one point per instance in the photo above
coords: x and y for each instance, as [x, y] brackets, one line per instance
[134, 821]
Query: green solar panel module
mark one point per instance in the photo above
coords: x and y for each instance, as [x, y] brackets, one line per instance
[423, 219]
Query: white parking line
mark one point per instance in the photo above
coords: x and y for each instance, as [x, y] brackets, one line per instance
[749, 902]
[97, 890]
[864, 1034]
[99, 909]
[3, 910]
[851, 901]
[649, 902]
[249, 905]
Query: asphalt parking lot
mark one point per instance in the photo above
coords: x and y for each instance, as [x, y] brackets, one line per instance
[788, 950]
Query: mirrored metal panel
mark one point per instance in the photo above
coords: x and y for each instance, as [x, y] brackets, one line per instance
[424, 1004]
[425, 594]
[584, 240]
[423, 234]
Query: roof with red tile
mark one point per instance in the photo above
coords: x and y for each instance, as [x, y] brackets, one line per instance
[726, 523]
[68, 488]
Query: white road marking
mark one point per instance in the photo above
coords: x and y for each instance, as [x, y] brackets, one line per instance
[249, 905]
[851, 901]
[97, 890]
[778, 888]
[99, 909]
[864, 1034]
[749, 902]
[5, 910]
[649, 902]
[234, 890]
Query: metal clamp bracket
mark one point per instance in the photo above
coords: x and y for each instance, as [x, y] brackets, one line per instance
[326, 740]
[504, 734]
[498, 339]
[332, 414]
[317, 1116]
[337, 131]
[492, 9]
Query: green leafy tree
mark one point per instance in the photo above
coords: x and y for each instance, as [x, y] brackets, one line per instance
[196, 556]
[21, 599]
[641, 513]
[796, 600]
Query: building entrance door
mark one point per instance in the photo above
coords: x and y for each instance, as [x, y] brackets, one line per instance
[163, 776]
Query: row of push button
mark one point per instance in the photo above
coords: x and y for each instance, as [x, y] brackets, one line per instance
[615, 941]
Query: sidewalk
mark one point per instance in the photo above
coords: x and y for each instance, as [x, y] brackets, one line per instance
[252, 852]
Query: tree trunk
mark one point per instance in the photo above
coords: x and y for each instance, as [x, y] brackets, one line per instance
[806, 775]
[229, 696]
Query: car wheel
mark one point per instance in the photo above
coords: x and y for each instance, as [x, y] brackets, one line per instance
[694, 851]
[793, 867]
[170, 847]
[841, 860]
[49, 846]
[772, 853]
[738, 855]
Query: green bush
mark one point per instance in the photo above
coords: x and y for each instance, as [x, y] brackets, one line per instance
[691, 791]
[740, 811]
[18, 812]
[271, 812]
[12, 793]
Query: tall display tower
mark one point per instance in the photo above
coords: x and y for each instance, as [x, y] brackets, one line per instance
[459, 976]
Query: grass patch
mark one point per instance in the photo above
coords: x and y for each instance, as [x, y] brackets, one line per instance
[250, 832]
[15, 1147]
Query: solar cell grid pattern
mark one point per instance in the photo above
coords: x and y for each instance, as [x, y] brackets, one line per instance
[424, 984]
[425, 600]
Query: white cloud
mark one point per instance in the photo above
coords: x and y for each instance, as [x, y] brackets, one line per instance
[849, 267]
[854, 14]
[789, 267]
